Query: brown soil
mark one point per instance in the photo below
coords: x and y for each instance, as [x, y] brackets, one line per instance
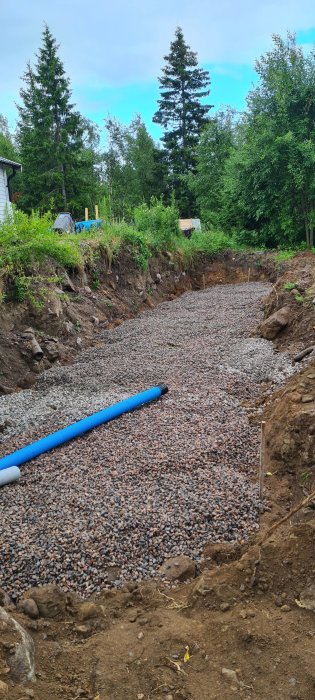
[245, 611]
[300, 333]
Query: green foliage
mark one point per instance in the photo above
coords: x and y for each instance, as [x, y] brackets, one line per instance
[214, 148]
[8, 150]
[137, 243]
[96, 282]
[57, 146]
[28, 240]
[208, 242]
[299, 298]
[254, 179]
[288, 286]
[32, 289]
[269, 180]
[7, 147]
[21, 287]
[284, 255]
[30, 248]
[160, 223]
[182, 115]
[133, 168]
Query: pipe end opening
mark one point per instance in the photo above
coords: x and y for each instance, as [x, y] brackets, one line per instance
[163, 388]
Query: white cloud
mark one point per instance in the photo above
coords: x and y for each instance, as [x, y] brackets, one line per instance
[120, 42]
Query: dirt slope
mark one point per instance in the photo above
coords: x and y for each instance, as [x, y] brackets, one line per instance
[74, 311]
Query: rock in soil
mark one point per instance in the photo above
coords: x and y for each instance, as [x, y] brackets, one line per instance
[270, 328]
[178, 568]
[4, 690]
[30, 608]
[49, 600]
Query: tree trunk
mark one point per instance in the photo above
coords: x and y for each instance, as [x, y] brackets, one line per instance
[307, 234]
[63, 186]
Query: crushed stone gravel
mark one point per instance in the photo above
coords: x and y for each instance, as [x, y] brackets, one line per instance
[161, 481]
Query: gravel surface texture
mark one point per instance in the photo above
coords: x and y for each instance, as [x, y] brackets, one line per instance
[162, 481]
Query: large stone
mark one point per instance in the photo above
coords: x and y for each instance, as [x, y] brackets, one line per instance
[5, 600]
[30, 608]
[221, 553]
[54, 307]
[4, 690]
[52, 350]
[51, 602]
[230, 675]
[178, 568]
[67, 283]
[307, 597]
[272, 326]
[89, 611]
[21, 661]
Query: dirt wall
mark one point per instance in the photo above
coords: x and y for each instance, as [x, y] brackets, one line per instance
[67, 316]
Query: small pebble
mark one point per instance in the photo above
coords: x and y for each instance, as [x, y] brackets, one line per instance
[224, 607]
[110, 506]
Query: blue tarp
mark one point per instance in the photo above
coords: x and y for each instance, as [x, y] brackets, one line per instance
[81, 225]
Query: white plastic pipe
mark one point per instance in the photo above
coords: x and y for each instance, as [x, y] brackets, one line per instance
[9, 475]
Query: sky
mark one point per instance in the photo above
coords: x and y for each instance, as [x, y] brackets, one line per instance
[113, 49]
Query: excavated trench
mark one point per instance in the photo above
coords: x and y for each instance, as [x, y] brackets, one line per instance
[165, 480]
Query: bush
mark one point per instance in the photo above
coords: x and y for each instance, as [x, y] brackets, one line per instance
[25, 240]
[159, 223]
[207, 242]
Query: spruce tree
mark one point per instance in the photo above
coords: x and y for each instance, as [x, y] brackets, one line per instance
[182, 115]
[50, 134]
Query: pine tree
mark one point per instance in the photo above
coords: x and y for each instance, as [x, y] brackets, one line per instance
[182, 115]
[51, 136]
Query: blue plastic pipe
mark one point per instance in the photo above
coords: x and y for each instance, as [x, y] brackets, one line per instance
[82, 426]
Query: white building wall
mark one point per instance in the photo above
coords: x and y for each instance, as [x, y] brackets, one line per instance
[4, 194]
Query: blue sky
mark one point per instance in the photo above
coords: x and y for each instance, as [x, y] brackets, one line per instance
[113, 52]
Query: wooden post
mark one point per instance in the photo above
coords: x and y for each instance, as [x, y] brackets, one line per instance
[248, 276]
[86, 213]
[262, 459]
[96, 211]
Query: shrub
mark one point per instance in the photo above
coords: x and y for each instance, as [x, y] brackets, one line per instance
[27, 239]
[159, 223]
[207, 242]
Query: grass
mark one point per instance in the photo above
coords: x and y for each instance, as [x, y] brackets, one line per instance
[208, 243]
[284, 255]
[27, 241]
[29, 247]
[289, 286]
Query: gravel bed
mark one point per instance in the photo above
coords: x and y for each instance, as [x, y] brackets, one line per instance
[162, 481]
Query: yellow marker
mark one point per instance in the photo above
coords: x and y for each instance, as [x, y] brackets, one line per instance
[187, 655]
[298, 602]
[268, 473]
